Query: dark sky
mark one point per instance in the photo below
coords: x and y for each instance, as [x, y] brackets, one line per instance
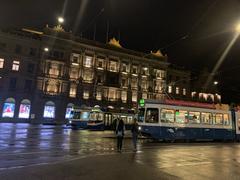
[192, 33]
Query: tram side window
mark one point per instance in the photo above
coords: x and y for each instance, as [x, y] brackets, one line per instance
[206, 118]
[194, 117]
[151, 115]
[167, 115]
[141, 115]
[181, 116]
[226, 120]
[218, 119]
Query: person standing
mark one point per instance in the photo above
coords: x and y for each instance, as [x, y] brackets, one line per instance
[134, 130]
[120, 134]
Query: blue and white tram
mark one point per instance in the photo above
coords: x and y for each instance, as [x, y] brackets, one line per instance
[174, 122]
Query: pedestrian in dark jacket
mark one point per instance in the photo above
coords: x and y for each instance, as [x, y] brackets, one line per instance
[134, 130]
[120, 128]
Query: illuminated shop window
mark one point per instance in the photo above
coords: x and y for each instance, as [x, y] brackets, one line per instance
[24, 109]
[69, 109]
[88, 61]
[15, 66]
[1, 63]
[85, 94]
[8, 108]
[49, 110]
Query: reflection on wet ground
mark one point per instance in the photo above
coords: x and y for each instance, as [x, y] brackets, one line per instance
[24, 145]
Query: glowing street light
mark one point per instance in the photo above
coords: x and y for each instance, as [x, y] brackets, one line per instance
[46, 49]
[215, 82]
[60, 20]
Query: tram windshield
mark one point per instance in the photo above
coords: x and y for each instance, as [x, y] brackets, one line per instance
[76, 115]
[141, 114]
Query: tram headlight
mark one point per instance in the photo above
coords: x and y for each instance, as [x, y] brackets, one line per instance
[70, 122]
[139, 128]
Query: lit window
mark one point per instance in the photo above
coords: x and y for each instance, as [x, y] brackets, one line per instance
[100, 64]
[169, 89]
[15, 66]
[85, 94]
[112, 95]
[145, 71]
[113, 66]
[52, 87]
[158, 86]
[134, 96]
[24, 109]
[134, 83]
[88, 61]
[88, 76]
[99, 95]
[144, 85]
[177, 90]
[74, 73]
[73, 90]
[1, 63]
[75, 59]
[160, 74]
[8, 108]
[124, 96]
[54, 70]
[124, 68]
[134, 69]
[49, 110]
[184, 91]
[144, 95]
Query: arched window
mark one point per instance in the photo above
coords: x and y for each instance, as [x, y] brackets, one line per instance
[68, 111]
[24, 109]
[49, 110]
[8, 108]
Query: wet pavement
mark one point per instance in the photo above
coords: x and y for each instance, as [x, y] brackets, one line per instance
[49, 152]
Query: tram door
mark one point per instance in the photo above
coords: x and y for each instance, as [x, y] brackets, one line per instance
[108, 120]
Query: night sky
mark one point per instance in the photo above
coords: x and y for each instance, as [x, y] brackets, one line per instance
[192, 33]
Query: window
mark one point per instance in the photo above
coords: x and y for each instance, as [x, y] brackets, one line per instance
[49, 110]
[8, 108]
[99, 95]
[206, 118]
[18, 49]
[88, 76]
[226, 120]
[100, 64]
[33, 51]
[134, 83]
[169, 89]
[124, 96]
[74, 73]
[144, 95]
[181, 116]
[218, 119]
[145, 71]
[112, 95]
[15, 66]
[88, 61]
[73, 90]
[75, 59]
[52, 87]
[134, 96]
[177, 90]
[12, 83]
[30, 68]
[1, 63]
[160, 74]
[113, 66]
[85, 94]
[194, 117]
[55, 69]
[167, 115]
[184, 92]
[28, 85]
[144, 85]
[134, 69]
[124, 82]
[124, 68]
[24, 109]
[151, 115]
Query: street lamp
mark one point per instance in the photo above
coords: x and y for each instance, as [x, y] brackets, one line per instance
[46, 49]
[215, 82]
[60, 20]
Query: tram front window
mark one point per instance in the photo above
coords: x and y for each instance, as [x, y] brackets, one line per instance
[141, 115]
[76, 115]
[152, 115]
